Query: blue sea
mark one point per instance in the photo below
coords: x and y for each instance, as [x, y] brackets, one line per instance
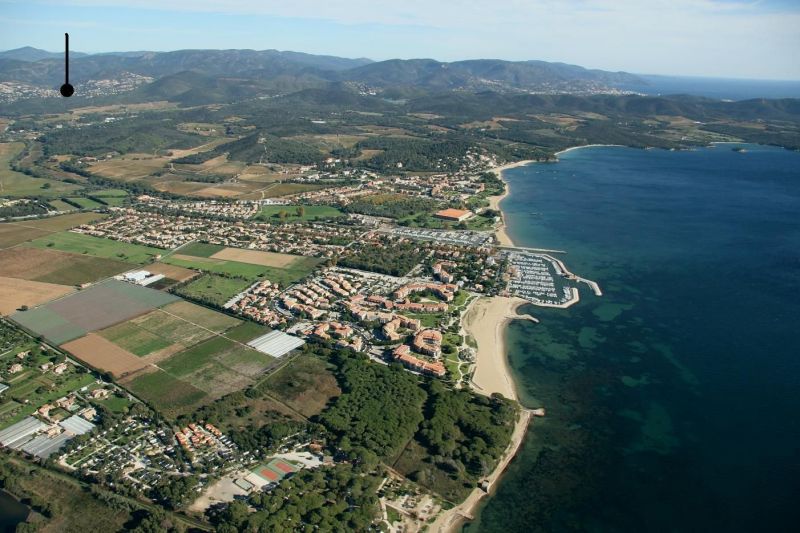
[722, 88]
[672, 400]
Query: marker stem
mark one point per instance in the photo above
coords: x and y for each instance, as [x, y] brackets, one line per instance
[66, 57]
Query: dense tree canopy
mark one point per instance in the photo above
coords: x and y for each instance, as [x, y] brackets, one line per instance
[379, 410]
[466, 431]
[325, 499]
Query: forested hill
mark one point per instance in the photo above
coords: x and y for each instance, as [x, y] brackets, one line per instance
[41, 68]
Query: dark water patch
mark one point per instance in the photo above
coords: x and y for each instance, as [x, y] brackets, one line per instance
[12, 512]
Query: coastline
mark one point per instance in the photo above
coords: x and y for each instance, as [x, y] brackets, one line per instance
[485, 321]
[452, 520]
[500, 233]
[494, 201]
[571, 148]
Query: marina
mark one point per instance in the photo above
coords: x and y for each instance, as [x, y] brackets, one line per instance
[543, 280]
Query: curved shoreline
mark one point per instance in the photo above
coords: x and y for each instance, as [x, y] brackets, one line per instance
[485, 320]
[494, 201]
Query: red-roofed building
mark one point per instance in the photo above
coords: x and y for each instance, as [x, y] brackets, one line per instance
[454, 215]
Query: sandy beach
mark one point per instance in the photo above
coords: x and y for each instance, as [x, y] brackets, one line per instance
[494, 201]
[571, 148]
[485, 321]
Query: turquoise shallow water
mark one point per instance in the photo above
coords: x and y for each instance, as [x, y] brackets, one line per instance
[673, 399]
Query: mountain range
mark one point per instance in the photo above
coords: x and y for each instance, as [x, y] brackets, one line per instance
[45, 69]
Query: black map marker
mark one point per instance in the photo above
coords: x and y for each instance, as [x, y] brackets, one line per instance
[67, 90]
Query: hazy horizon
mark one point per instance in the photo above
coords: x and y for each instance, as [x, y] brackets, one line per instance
[728, 39]
[648, 74]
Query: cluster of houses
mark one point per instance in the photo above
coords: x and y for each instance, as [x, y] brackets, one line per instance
[193, 437]
[254, 303]
[169, 231]
[344, 335]
[239, 210]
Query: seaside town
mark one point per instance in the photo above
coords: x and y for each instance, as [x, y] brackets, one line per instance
[154, 380]
[398, 294]
[315, 267]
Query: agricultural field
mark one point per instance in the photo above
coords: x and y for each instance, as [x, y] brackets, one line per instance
[306, 384]
[13, 233]
[202, 317]
[199, 375]
[111, 197]
[97, 307]
[83, 203]
[129, 167]
[15, 293]
[256, 257]
[162, 174]
[212, 289]
[201, 249]
[247, 331]
[61, 268]
[271, 213]
[206, 363]
[104, 355]
[98, 247]
[14, 183]
[168, 330]
[169, 395]
[61, 205]
[248, 264]
[136, 340]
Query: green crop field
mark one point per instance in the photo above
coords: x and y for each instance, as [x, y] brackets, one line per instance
[216, 266]
[201, 249]
[167, 394]
[311, 212]
[172, 329]
[225, 355]
[110, 193]
[201, 316]
[213, 289]
[180, 323]
[61, 205]
[110, 197]
[14, 183]
[136, 340]
[86, 244]
[284, 276]
[85, 203]
[247, 331]
[214, 367]
[196, 357]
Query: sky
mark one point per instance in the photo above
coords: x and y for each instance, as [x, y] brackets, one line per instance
[755, 39]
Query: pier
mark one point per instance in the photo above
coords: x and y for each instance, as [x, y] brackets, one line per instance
[535, 250]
